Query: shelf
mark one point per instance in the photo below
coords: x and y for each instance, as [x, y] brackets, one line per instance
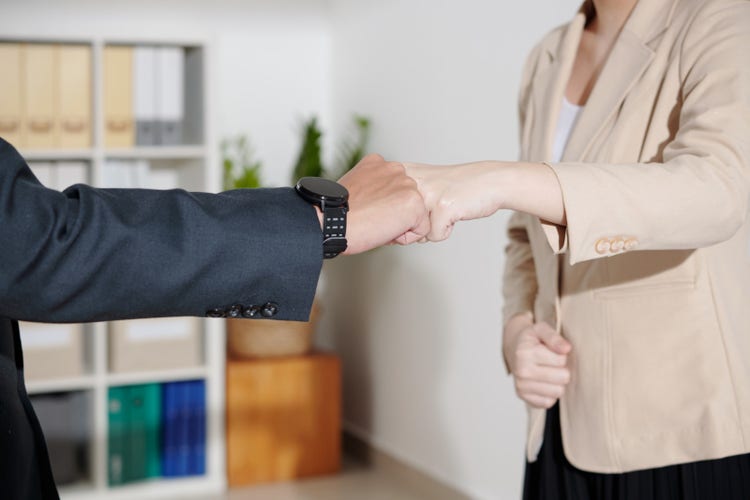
[76, 489]
[192, 166]
[197, 372]
[157, 153]
[57, 154]
[188, 487]
[81, 383]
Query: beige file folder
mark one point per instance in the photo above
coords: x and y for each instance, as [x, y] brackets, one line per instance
[119, 130]
[40, 96]
[52, 351]
[11, 94]
[155, 344]
[74, 87]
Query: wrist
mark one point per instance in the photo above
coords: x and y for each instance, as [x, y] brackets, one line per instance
[319, 214]
[331, 202]
[505, 181]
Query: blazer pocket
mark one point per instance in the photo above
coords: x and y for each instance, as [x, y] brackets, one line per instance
[648, 273]
[666, 361]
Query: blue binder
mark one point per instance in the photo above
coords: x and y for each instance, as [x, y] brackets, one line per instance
[197, 428]
[184, 428]
[169, 444]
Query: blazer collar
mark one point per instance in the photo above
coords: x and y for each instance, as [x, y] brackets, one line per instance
[629, 57]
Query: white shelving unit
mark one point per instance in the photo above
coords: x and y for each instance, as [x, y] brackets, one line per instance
[199, 171]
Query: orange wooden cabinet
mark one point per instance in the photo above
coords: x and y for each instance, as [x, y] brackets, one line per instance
[283, 418]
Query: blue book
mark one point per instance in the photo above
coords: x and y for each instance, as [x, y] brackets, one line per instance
[197, 425]
[181, 428]
[169, 441]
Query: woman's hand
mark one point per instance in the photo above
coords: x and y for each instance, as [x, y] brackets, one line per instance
[537, 357]
[384, 206]
[475, 190]
[454, 193]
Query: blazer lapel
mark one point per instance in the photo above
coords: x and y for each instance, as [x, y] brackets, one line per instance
[549, 86]
[628, 59]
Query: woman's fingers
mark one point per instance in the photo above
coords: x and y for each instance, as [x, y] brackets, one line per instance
[539, 401]
[546, 357]
[527, 388]
[540, 365]
[544, 374]
[542, 394]
[551, 338]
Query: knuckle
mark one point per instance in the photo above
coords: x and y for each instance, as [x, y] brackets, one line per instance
[398, 168]
[414, 199]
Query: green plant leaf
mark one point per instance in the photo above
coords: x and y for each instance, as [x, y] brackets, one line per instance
[352, 150]
[309, 162]
[241, 170]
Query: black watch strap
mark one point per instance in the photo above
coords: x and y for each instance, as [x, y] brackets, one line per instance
[334, 231]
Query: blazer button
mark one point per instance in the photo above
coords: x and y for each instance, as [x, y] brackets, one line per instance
[235, 311]
[216, 313]
[631, 243]
[270, 309]
[617, 245]
[251, 312]
[602, 246]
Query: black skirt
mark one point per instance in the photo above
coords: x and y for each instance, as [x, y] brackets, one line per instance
[552, 477]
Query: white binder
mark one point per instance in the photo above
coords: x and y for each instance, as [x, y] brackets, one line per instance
[45, 172]
[170, 94]
[69, 173]
[125, 174]
[144, 95]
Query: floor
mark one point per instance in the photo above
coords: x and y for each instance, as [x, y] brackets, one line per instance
[355, 482]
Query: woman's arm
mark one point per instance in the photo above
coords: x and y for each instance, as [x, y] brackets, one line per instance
[696, 196]
[476, 190]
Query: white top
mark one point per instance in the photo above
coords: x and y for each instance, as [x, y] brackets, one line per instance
[568, 117]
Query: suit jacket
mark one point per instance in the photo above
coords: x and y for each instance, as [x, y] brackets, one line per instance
[650, 279]
[103, 254]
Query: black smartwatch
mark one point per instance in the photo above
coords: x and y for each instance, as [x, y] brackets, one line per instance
[333, 200]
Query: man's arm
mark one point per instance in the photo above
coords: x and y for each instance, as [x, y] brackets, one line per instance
[92, 254]
[99, 254]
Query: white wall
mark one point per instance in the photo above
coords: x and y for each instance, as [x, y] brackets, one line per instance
[419, 327]
[271, 63]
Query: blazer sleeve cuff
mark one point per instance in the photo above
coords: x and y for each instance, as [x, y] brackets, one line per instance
[557, 235]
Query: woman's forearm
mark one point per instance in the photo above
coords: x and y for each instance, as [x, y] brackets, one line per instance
[532, 188]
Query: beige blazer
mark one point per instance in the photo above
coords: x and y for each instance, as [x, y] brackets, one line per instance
[650, 280]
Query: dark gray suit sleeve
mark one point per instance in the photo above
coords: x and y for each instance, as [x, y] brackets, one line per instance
[102, 254]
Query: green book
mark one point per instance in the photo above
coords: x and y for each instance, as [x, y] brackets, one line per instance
[152, 398]
[117, 408]
[135, 449]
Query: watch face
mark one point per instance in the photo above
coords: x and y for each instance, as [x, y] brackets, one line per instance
[322, 189]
